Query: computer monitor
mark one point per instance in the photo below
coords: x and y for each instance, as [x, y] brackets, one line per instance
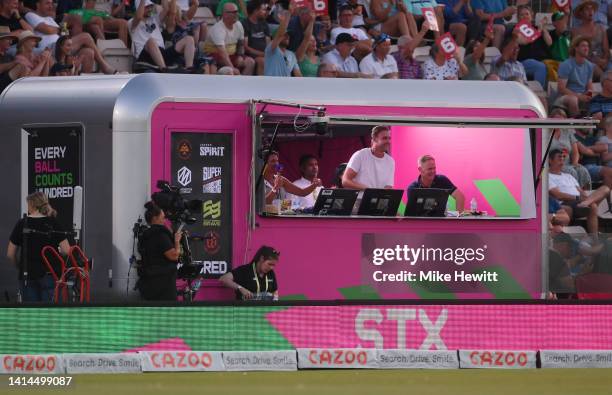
[426, 202]
[380, 202]
[335, 201]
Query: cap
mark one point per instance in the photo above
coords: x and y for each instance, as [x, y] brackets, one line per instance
[558, 15]
[147, 3]
[381, 39]
[345, 38]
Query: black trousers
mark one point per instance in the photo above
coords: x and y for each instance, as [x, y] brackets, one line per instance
[161, 288]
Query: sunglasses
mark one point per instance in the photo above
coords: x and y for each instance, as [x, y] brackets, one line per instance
[231, 12]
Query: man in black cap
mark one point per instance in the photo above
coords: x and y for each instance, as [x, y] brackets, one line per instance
[8, 66]
[341, 57]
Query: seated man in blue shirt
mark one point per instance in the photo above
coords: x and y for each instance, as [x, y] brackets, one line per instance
[429, 179]
[575, 83]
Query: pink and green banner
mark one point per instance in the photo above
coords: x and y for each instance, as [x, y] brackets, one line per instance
[251, 328]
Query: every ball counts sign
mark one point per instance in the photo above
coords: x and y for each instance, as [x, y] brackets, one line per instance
[54, 167]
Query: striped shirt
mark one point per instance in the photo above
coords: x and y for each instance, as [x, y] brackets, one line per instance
[408, 69]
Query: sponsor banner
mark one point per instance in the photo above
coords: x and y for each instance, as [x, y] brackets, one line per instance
[31, 364]
[406, 326]
[54, 167]
[442, 327]
[336, 358]
[491, 359]
[576, 359]
[417, 359]
[181, 361]
[102, 363]
[201, 165]
[260, 360]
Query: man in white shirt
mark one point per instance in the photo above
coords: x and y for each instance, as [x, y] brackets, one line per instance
[574, 200]
[45, 27]
[379, 63]
[371, 167]
[309, 167]
[145, 29]
[225, 42]
[364, 43]
[341, 57]
[43, 22]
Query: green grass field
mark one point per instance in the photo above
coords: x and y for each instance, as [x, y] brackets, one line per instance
[354, 382]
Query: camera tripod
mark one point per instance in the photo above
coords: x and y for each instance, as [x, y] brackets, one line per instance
[188, 271]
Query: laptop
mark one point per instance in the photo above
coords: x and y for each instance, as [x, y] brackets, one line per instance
[335, 201]
[426, 202]
[380, 202]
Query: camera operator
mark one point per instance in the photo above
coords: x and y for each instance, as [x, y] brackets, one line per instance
[255, 280]
[161, 251]
[32, 233]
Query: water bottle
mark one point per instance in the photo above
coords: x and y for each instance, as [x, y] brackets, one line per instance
[64, 30]
[473, 205]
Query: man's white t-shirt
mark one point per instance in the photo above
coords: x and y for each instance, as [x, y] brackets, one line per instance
[147, 28]
[564, 182]
[220, 35]
[348, 65]
[372, 171]
[353, 31]
[308, 200]
[372, 65]
[47, 40]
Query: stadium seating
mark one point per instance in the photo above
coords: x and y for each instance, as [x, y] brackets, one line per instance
[490, 53]
[204, 14]
[421, 53]
[104, 5]
[116, 54]
[604, 212]
[541, 15]
[461, 51]
[575, 230]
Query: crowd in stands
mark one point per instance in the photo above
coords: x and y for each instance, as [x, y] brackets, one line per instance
[567, 64]
[580, 216]
[352, 39]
